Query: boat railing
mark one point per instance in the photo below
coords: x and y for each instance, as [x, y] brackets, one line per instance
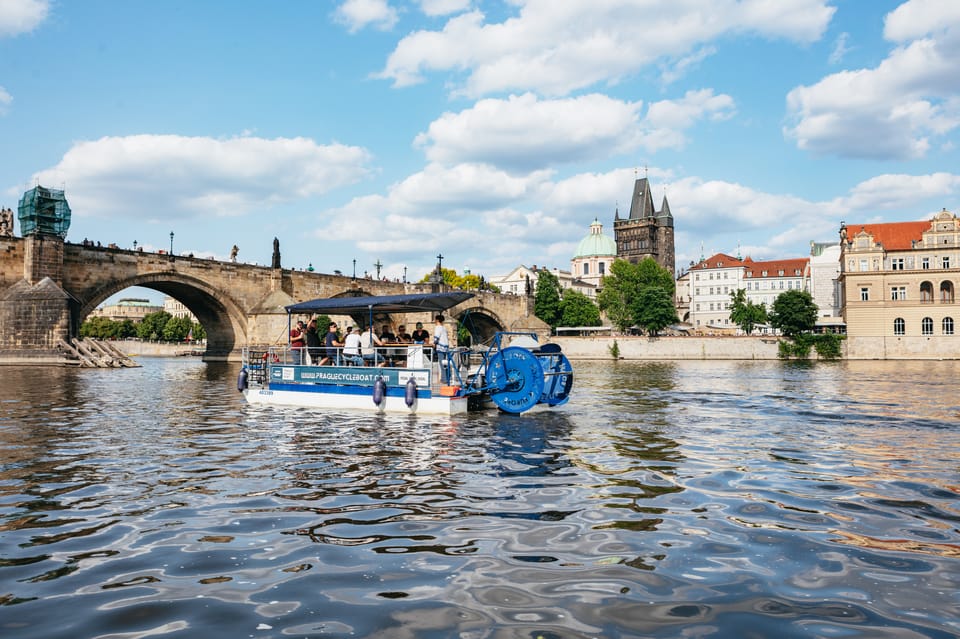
[450, 367]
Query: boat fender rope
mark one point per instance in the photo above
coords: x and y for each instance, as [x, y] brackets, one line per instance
[410, 392]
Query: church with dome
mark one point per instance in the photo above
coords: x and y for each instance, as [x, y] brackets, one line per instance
[595, 254]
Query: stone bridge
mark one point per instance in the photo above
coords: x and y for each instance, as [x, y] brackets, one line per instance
[48, 287]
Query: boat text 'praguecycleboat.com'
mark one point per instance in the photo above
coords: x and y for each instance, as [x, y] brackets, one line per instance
[513, 372]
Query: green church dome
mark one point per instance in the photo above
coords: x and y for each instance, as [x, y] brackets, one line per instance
[596, 243]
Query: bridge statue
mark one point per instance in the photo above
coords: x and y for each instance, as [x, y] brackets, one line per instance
[48, 286]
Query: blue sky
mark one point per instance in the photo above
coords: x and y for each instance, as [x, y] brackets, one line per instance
[492, 132]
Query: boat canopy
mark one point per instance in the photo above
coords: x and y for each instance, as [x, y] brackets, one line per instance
[411, 303]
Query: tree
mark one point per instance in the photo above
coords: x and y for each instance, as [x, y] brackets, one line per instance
[623, 286]
[152, 325]
[794, 313]
[744, 313]
[177, 329]
[546, 301]
[653, 309]
[577, 309]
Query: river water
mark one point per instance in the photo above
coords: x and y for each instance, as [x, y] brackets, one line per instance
[682, 499]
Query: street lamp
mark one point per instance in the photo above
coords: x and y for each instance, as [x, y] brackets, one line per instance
[404, 274]
[354, 269]
[171, 242]
[134, 245]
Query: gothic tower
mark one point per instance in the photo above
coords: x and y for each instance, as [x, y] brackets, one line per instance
[647, 232]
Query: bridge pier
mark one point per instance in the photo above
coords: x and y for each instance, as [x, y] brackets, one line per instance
[35, 312]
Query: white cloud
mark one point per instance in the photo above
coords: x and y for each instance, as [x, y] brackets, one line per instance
[525, 133]
[443, 7]
[170, 176]
[554, 48]
[840, 48]
[21, 16]
[5, 100]
[359, 14]
[898, 108]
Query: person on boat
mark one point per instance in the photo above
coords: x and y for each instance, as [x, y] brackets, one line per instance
[387, 336]
[312, 338]
[441, 343]
[403, 337]
[369, 341]
[298, 342]
[351, 347]
[420, 334]
[331, 351]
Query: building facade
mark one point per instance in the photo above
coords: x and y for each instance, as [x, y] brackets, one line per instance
[898, 283]
[824, 274]
[595, 255]
[716, 278]
[646, 232]
[130, 308]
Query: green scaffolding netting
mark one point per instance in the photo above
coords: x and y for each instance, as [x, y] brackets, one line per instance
[43, 210]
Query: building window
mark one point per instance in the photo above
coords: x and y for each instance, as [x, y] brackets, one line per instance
[948, 326]
[896, 264]
[926, 326]
[946, 292]
[864, 294]
[603, 268]
[898, 293]
[925, 263]
[945, 261]
[586, 269]
[864, 265]
[899, 326]
[926, 292]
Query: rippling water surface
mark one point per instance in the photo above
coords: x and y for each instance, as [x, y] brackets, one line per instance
[686, 499]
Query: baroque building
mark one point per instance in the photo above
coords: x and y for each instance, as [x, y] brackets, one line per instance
[646, 232]
[898, 285]
[594, 257]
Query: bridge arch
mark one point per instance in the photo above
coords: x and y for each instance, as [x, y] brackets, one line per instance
[223, 318]
[481, 322]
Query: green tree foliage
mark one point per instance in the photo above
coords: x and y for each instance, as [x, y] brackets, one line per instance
[177, 329]
[547, 298]
[794, 313]
[100, 328]
[623, 286]
[467, 282]
[127, 329]
[199, 333]
[744, 313]
[653, 309]
[576, 309]
[152, 325]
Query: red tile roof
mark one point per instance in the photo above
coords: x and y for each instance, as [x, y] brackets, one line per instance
[772, 268]
[893, 236]
[720, 260]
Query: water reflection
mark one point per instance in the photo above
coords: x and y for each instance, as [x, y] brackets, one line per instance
[666, 499]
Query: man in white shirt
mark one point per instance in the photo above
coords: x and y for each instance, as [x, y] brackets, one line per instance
[351, 347]
[442, 344]
[368, 343]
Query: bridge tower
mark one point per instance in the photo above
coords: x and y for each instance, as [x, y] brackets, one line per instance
[35, 312]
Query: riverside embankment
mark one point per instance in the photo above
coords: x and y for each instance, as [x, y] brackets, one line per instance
[669, 348]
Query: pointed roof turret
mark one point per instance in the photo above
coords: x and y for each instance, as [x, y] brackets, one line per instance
[665, 207]
[641, 205]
